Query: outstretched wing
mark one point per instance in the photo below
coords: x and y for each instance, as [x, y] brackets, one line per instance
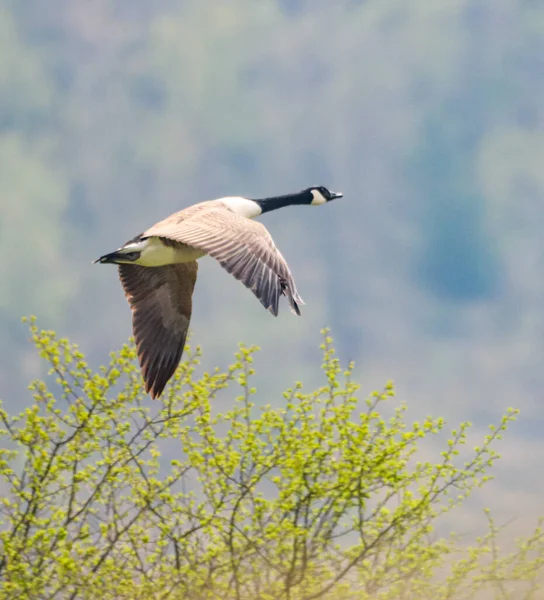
[243, 247]
[161, 303]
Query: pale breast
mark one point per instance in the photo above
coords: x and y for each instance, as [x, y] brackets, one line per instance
[156, 252]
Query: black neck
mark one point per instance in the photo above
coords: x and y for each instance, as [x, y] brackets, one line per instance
[268, 204]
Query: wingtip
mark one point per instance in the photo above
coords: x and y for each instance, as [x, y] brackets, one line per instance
[296, 301]
[151, 389]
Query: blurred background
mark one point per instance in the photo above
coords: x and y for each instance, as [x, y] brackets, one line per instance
[427, 115]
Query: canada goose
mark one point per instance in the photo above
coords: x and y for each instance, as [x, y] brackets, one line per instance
[158, 270]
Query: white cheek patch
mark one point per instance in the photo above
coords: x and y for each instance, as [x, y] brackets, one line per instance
[318, 198]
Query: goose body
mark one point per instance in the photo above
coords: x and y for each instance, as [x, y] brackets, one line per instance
[158, 270]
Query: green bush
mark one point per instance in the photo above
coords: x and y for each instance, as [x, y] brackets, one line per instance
[319, 497]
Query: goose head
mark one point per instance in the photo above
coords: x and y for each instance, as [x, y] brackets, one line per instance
[320, 195]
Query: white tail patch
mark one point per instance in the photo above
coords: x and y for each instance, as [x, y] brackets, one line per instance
[133, 246]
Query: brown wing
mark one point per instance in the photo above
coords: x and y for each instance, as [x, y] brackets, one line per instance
[161, 303]
[243, 247]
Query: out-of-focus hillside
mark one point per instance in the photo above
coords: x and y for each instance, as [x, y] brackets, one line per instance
[427, 115]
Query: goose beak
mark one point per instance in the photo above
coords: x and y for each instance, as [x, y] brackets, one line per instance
[335, 195]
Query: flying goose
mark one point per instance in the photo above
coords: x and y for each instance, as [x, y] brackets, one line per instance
[158, 270]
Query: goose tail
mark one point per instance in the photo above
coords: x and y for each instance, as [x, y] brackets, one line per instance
[118, 257]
